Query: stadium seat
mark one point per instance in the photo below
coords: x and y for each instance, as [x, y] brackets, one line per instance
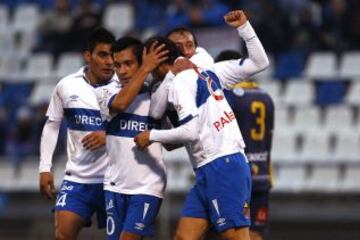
[26, 18]
[119, 18]
[68, 63]
[290, 178]
[321, 65]
[337, 119]
[273, 88]
[282, 121]
[351, 179]
[284, 147]
[349, 65]
[306, 119]
[323, 179]
[299, 93]
[39, 67]
[41, 93]
[4, 18]
[353, 96]
[347, 147]
[316, 147]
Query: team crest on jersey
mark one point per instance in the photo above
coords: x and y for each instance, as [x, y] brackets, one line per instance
[239, 91]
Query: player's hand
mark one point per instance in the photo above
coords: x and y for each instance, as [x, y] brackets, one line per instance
[47, 185]
[142, 140]
[235, 18]
[153, 57]
[182, 64]
[94, 140]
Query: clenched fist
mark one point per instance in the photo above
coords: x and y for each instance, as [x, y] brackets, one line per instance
[235, 18]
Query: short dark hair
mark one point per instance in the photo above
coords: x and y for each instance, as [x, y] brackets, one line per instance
[129, 42]
[174, 51]
[228, 55]
[183, 30]
[99, 35]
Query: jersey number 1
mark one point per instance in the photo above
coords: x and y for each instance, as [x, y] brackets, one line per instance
[259, 109]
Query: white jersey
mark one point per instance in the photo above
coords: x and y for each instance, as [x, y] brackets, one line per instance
[219, 134]
[75, 101]
[131, 170]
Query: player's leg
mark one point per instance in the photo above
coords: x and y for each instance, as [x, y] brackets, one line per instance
[236, 234]
[255, 235]
[194, 222]
[73, 211]
[116, 212]
[68, 225]
[191, 228]
[140, 216]
[229, 191]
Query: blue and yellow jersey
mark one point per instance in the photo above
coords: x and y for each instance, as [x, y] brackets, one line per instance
[254, 112]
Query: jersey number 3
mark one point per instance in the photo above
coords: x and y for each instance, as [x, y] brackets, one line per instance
[259, 109]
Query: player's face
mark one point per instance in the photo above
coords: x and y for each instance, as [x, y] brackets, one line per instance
[126, 65]
[100, 62]
[185, 42]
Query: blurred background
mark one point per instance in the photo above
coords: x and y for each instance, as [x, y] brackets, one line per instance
[314, 79]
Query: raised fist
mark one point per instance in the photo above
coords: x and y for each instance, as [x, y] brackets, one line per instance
[235, 18]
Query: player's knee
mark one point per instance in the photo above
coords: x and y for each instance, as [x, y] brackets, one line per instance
[236, 234]
[255, 235]
[180, 235]
[64, 235]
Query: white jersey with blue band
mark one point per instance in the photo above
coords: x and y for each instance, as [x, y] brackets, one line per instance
[131, 171]
[75, 101]
[193, 94]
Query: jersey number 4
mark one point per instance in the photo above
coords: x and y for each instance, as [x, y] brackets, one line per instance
[259, 109]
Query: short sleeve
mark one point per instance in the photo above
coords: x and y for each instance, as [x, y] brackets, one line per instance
[55, 110]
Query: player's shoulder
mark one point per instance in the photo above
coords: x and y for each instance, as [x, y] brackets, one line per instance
[72, 78]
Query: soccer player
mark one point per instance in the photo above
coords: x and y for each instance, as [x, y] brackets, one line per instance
[135, 180]
[229, 72]
[74, 100]
[254, 112]
[207, 127]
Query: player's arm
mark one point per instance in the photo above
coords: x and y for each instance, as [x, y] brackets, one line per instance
[186, 109]
[48, 142]
[47, 147]
[231, 72]
[151, 60]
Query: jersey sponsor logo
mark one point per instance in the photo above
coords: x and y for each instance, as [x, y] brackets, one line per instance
[83, 119]
[257, 157]
[129, 125]
[226, 118]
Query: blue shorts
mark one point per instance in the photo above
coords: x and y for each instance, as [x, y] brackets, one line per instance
[84, 200]
[259, 209]
[221, 193]
[130, 213]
